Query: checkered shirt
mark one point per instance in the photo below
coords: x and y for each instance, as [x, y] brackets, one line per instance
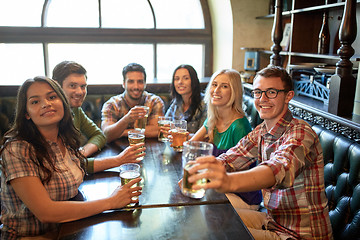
[17, 219]
[117, 107]
[297, 204]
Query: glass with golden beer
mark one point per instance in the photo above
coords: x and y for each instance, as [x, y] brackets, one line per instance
[192, 150]
[163, 122]
[140, 124]
[135, 137]
[128, 172]
[179, 134]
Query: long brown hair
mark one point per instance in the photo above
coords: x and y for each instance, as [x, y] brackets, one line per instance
[26, 130]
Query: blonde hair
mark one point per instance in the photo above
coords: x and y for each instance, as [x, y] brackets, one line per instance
[235, 101]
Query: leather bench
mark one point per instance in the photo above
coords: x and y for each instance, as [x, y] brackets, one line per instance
[342, 176]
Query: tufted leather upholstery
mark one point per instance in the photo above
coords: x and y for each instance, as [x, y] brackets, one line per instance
[250, 111]
[342, 182]
[342, 177]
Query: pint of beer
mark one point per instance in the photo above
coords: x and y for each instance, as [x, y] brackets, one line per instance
[163, 122]
[192, 150]
[135, 137]
[128, 172]
[140, 124]
[179, 134]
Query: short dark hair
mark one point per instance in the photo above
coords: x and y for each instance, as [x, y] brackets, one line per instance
[275, 71]
[133, 67]
[65, 68]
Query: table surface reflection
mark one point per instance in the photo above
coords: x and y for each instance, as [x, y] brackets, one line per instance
[161, 171]
[163, 211]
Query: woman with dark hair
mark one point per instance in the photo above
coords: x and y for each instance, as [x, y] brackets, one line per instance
[42, 167]
[187, 100]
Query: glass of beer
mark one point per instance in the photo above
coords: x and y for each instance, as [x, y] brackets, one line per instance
[192, 150]
[163, 122]
[140, 124]
[179, 134]
[128, 172]
[135, 137]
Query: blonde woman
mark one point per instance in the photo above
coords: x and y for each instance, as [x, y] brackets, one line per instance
[226, 123]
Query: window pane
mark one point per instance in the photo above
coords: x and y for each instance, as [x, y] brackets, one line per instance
[172, 55]
[104, 62]
[126, 14]
[179, 14]
[28, 15]
[73, 13]
[19, 62]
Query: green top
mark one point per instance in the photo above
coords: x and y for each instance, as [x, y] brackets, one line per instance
[89, 130]
[229, 138]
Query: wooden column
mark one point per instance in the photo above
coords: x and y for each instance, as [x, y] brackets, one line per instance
[343, 84]
[277, 35]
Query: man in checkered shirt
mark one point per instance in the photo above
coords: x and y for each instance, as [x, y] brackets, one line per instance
[121, 111]
[290, 170]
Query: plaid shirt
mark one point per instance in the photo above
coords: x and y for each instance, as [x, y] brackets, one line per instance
[117, 107]
[17, 219]
[297, 204]
[175, 111]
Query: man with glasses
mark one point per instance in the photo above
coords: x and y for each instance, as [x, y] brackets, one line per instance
[290, 168]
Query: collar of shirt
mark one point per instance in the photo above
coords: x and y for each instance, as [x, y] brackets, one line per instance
[141, 103]
[279, 128]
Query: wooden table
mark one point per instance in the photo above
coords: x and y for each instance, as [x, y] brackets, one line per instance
[163, 212]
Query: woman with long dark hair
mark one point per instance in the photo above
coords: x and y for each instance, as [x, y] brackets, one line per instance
[42, 167]
[187, 103]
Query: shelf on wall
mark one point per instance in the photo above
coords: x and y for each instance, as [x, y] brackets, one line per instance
[312, 55]
[308, 9]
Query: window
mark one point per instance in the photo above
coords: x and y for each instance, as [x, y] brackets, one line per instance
[103, 36]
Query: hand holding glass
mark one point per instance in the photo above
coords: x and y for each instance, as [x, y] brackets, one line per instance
[135, 137]
[128, 172]
[192, 150]
[179, 134]
[140, 123]
[164, 127]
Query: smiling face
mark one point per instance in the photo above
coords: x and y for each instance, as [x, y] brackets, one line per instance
[271, 110]
[44, 107]
[182, 82]
[75, 88]
[134, 85]
[220, 90]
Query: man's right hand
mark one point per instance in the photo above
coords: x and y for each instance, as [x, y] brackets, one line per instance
[135, 113]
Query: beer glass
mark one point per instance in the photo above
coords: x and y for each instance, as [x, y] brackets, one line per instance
[135, 137]
[128, 172]
[140, 124]
[179, 134]
[163, 122]
[192, 150]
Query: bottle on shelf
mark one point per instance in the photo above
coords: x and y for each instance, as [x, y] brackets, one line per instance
[324, 35]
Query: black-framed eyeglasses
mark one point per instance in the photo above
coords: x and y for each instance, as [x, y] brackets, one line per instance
[270, 93]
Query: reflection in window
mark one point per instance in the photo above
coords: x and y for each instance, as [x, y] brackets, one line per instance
[73, 13]
[172, 55]
[21, 61]
[21, 13]
[178, 14]
[128, 14]
[103, 62]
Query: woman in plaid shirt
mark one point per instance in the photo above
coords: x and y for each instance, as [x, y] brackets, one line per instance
[290, 170]
[42, 167]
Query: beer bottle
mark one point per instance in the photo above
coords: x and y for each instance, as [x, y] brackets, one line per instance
[324, 35]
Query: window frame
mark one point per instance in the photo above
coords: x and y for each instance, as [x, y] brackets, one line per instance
[45, 35]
